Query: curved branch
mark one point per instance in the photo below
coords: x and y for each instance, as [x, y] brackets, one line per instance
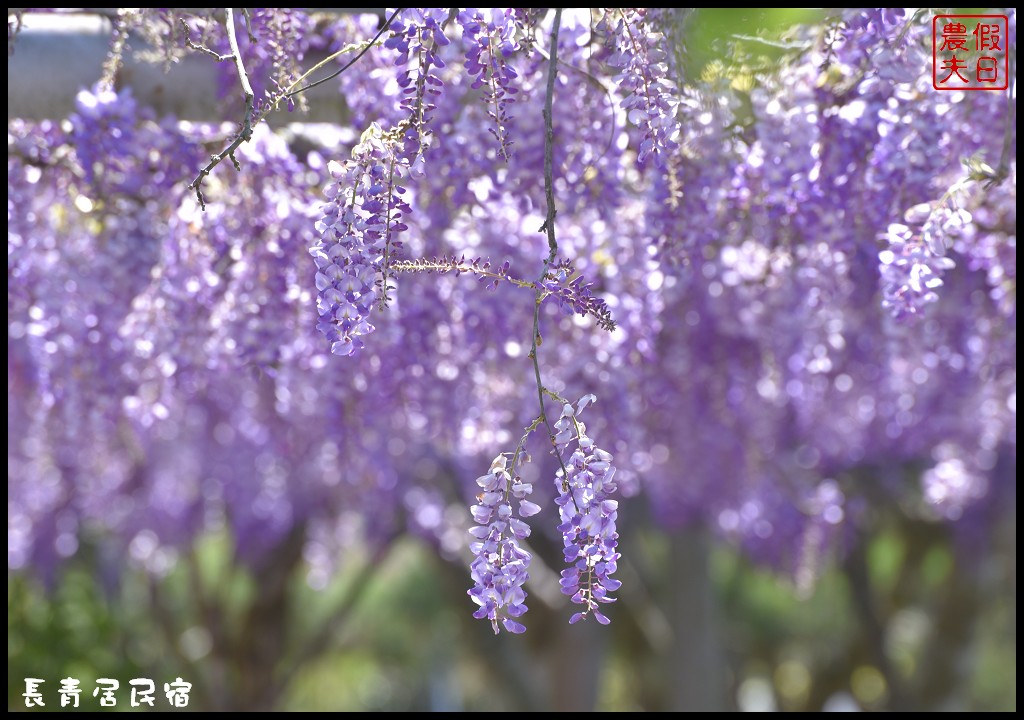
[247, 123]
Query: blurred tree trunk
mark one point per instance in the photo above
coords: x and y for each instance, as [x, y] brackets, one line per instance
[671, 640]
[697, 662]
[575, 661]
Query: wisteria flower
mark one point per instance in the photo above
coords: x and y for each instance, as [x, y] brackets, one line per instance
[587, 515]
[500, 565]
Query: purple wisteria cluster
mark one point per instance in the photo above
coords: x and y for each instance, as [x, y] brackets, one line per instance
[587, 515]
[358, 238]
[574, 294]
[491, 43]
[279, 42]
[417, 36]
[650, 97]
[500, 564]
[106, 127]
[912, 266]
[991, 246]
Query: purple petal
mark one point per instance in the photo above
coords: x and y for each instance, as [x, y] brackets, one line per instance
[513, 627]
[527, 508]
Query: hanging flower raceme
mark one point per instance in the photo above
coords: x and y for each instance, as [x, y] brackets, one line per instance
[357, 238]
[500, 564]
[418, 35]
[651, 98]
[491, 43]
[913, 264]
[587, 515]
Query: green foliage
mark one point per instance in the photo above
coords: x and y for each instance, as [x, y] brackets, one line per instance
[401, 644]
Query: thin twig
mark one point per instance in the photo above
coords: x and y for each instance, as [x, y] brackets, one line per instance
[252, 118]
[548, 226]
[1003, 171]
[781, 45]
[245, 133]
[549, 137]
[201, 48]
[248, 25]
[387, 23]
